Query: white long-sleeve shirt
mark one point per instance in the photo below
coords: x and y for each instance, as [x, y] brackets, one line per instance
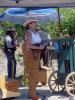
[8, 41]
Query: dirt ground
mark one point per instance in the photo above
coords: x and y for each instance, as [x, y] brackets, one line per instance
[20, 65]
[3, 63]
[42, 91]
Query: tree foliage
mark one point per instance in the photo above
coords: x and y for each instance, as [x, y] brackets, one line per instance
[67, 24]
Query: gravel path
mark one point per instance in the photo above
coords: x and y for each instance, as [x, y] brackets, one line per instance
[20, 66]
[3, 64]
[43, 91]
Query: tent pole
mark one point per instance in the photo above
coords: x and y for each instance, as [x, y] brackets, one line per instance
[59, 24]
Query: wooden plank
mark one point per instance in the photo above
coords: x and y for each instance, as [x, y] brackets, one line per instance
[9, 87]
[9, 94]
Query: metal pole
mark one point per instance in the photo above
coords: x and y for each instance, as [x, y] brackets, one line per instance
[59, 24]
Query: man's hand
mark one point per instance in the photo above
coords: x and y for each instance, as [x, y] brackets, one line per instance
[36, 47]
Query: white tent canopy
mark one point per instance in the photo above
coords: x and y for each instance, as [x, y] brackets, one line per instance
[37, 3]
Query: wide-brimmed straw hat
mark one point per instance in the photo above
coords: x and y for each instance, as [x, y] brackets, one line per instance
[29, 21]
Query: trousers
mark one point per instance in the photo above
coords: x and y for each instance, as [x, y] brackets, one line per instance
[11, 64]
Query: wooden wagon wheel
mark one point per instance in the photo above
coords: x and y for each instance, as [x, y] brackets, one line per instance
[70, 84]
[54, 83]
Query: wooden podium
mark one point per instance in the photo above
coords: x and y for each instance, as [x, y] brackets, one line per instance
[9, 87]
[31, 62]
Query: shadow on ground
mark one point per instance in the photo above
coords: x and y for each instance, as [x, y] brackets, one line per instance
[41, 93]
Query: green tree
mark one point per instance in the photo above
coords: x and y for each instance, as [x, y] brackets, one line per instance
[68, 23]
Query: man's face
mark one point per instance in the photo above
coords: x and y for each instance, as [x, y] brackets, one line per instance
[14, 33]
